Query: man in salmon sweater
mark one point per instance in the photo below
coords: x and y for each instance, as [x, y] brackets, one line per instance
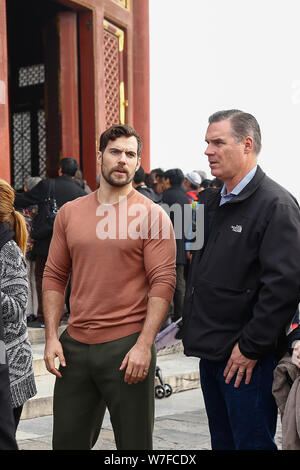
[121, 248]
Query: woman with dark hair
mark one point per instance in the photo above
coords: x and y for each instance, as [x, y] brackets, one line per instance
[14, 293]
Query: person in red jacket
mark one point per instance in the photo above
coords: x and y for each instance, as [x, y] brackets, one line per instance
[192, 182]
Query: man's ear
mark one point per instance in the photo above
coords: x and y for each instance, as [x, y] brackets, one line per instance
[138, 164]
[249, 144]
[99, 156]
[60, 172]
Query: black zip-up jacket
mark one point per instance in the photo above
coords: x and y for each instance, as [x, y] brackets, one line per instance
[244, 283]
[176, 195]
[148, 192]
[65, 190]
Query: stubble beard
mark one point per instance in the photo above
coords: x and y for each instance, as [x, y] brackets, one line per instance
[109, 178]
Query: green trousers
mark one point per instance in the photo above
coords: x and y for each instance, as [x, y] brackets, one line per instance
[92, 381]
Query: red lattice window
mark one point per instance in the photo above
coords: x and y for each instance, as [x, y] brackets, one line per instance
[123, 3]
[113, 75]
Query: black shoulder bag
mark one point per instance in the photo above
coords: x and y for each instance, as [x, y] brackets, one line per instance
[42, 224]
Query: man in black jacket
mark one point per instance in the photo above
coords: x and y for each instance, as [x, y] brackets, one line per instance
[243, 288]
[176, 199]
[140, 186]
[65, 189]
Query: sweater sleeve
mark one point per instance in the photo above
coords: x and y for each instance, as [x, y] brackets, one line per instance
[58, 265]
[160, 255]
[14, 284]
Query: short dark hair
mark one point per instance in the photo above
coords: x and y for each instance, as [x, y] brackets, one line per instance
[68, 166]
[206, 183]
[242, 125]
[139, 176]
[116, 131]
[159, 173]
[147, 180]
[217, 183]
[175, 175]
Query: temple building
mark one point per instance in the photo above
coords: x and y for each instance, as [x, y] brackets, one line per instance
[68, 70]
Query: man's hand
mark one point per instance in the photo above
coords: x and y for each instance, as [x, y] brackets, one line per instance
[239, 364]
[54, 349]
[137, 361]
[296, 354]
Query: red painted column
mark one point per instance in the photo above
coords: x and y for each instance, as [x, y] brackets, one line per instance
[141, 76]
[68, 89]
[87, 83]
[5, 172]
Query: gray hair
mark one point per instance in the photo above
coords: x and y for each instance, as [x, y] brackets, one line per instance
[242, 125]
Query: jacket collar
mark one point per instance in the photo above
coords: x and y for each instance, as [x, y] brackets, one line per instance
[250, 188]
[65, 178]
[213, 196]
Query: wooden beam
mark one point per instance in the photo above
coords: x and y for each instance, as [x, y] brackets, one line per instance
[69, 85]
[52, 105]
[88, 93]
[141, 76]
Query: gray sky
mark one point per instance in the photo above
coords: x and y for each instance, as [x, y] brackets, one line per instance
[207, 55]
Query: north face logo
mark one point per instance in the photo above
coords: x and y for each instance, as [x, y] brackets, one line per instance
[237, 228]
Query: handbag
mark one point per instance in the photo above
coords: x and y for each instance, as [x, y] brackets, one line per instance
[42, 224]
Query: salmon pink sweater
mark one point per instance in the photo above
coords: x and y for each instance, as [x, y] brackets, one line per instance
[119, 255]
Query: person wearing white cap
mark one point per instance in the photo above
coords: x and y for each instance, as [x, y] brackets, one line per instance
[192, 182]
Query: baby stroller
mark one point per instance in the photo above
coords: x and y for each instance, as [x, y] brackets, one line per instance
[169, 336]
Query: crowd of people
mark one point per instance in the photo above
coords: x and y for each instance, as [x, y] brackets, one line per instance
[122, 281]
[167, 188]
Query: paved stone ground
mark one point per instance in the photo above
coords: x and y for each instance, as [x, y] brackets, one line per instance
[180, 424]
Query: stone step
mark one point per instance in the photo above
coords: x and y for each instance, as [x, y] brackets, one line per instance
[42, 403]
[37, 335]
[39, 367]
[37, 339]
[181, 372]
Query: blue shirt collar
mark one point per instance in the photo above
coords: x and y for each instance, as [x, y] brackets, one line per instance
[241, 185]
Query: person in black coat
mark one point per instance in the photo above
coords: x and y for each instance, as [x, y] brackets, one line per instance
[140, 186]
[175, 196]
[243, 288]
[65, 190]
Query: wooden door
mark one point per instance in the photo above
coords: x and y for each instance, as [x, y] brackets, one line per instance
[114, 75]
